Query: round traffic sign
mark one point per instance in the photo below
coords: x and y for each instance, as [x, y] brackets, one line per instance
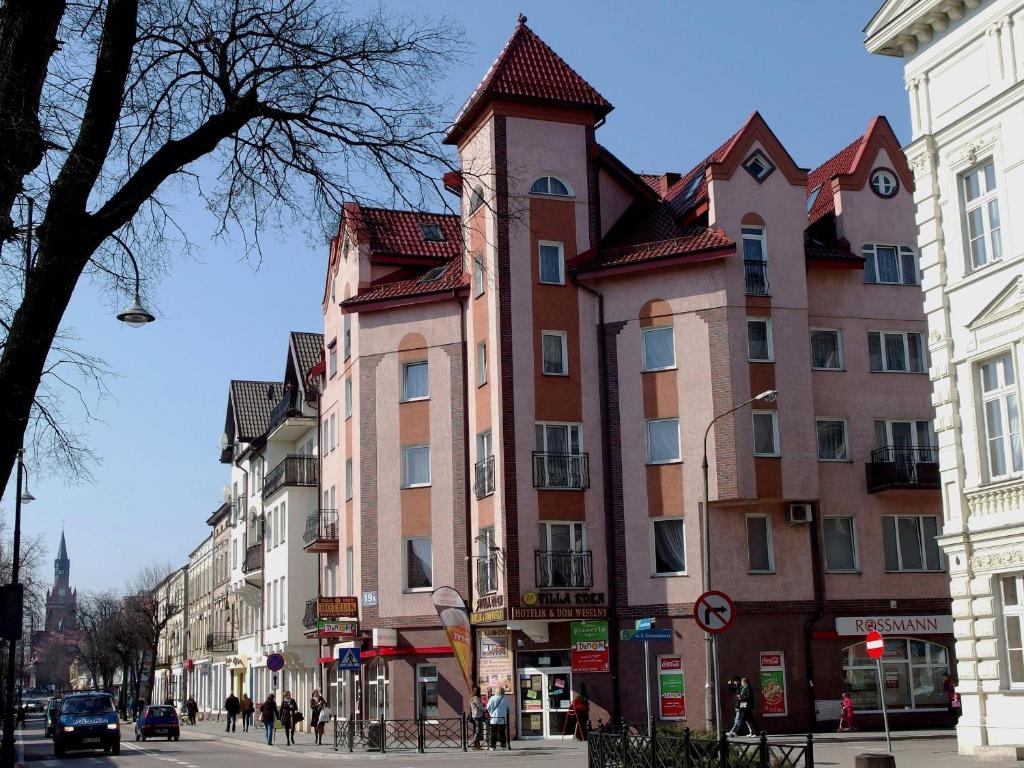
[275, 662]
[875, 643]
[714, 612]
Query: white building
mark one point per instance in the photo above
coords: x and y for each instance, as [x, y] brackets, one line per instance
[964, 72]
[198, 661]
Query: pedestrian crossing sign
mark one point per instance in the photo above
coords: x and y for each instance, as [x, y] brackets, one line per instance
[348, 659]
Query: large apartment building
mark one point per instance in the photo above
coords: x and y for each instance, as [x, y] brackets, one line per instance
[515, 403]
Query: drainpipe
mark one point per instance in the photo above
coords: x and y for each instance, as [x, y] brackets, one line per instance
[818, 583]
[319, 672]
[470, 562]
[606, 462]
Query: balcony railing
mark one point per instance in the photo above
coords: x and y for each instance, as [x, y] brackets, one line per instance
[903, 467]
[220, 641]
[293, 470]
[561, 470]
[309, 617]
[486, 575]
[755, 273]
[321, 532]
[287, 406]
[564, 570]
[483, 479]
[253, 558]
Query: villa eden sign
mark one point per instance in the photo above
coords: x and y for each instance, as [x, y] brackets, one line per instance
[894, 625]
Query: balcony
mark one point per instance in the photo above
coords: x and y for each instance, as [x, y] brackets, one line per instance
[321, 531]
[285, 407]
[561, 471]
[222, 642]
[253, 562]
[486, 575]
[755, 273]
[309, 617]
[564, 570]
[903, 467]
[483, 478]
[303, 471]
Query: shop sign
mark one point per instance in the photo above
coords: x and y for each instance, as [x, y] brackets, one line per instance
[773, 684]
[494, 659]
[671, 688]
[345, 630]
[385, 637]
[894, 625]
[589, 646]
[487, 617]
[490, 602]
[337, 607]
[531, 599]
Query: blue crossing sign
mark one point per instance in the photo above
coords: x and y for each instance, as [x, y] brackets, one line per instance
[642, 635]
[348, 659]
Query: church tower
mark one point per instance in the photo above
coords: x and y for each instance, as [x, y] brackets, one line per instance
[61, 600]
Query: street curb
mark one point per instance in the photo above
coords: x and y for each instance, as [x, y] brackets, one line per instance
[872, 736]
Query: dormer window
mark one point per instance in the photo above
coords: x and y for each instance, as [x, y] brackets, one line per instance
[758, 166]
[813, 197]
[549, 185]
[884, 183]
[432, 233]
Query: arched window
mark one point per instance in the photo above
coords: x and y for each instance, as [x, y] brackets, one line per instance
[550, 185]
[911, 674]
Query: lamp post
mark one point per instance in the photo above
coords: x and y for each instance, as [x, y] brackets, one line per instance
[711, 705]
[136, 315]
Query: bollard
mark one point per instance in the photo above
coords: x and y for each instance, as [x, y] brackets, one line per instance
[762, 750]
[809, 751]
[723, 750]
[420, 735]
[686, 747]
[465, 734]
[874, 760]
[654, 744]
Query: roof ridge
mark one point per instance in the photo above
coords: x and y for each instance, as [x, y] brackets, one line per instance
[405, 210]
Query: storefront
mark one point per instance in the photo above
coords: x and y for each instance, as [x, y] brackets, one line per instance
[545, 693]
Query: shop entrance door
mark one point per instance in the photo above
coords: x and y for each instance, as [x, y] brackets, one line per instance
[544, 699]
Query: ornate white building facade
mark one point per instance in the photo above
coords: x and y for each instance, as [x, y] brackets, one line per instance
[964, 72]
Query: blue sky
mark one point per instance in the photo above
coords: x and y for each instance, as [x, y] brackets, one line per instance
[682, 75]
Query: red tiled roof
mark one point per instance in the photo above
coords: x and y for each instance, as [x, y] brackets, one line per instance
[691, 240]
[528, 69]
[448, 276]
[839, 163]
[397, 233]
[681, 204]
[839, 252]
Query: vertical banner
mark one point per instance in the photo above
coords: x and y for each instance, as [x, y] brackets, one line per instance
[451, 609]
[671, 688]
[589, 644]
[773, 684]
[494, 659]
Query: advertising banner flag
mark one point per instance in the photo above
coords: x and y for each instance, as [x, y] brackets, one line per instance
[773, 683]
[671, 688]
[589, 643]
[454, 615]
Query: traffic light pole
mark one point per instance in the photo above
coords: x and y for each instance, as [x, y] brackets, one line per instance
[7, 745]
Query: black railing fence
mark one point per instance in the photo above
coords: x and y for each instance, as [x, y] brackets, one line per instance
[755, 273]
[420, 735]
[483, 477]
[561, 470]
[564, 570]
[684, 749]
[292, 470]
[906, 466]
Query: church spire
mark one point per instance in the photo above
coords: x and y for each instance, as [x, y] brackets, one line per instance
[62, 552]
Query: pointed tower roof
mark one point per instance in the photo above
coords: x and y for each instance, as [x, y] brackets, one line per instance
[62, 551]
[527, 69]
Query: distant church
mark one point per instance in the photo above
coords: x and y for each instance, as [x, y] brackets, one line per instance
[61, 601]
[53, 647]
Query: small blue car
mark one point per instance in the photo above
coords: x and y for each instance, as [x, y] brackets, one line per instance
[87, 721]
[158, 720]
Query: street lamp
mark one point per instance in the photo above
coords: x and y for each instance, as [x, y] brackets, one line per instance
[136, 315]
[711, 706]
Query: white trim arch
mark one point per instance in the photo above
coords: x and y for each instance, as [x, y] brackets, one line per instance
[547, 178]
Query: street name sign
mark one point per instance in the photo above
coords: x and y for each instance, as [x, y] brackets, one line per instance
[714, 612]
[645, 635]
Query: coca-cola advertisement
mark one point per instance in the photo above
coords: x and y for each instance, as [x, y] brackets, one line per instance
[773, 684]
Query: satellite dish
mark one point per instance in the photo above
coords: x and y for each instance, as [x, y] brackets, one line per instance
[224, 441]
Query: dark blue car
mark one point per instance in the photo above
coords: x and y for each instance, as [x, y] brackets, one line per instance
[158, 720]
[87, 721]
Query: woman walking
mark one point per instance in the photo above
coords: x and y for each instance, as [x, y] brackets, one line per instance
[290, 717]
[248, 708]
[315, 703]
[323, 718]
[268, 716]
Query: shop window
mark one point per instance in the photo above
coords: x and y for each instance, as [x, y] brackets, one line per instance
[426, 690]
[377, 689]
[911, 673]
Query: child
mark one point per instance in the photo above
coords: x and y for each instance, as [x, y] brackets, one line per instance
[846, 721]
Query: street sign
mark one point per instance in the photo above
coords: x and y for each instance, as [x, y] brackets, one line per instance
[644, 623]
[876, 644]
[645, 635]
[714, 612]
[275, 662]
[348, 659]
[876, 647]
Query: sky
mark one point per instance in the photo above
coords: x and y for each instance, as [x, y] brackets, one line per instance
[683, 75]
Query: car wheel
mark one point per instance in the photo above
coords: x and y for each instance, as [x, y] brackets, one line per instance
[137, 737]
[59, 750]
[116, 749]
[175, 738]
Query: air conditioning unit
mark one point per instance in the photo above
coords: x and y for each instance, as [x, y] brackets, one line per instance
[800, 513]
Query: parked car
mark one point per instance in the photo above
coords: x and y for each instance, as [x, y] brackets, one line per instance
[87, 721]
[158, 720]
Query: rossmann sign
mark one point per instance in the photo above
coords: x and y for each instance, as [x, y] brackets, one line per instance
[894, 625]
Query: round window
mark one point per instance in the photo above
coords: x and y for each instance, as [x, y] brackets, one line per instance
[884, 182]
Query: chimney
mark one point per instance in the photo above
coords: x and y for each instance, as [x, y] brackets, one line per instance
[667, 180]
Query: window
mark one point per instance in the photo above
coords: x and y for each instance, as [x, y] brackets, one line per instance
[334, 433]
[549, 185]
[478, 275]
[890, 264]
[755, 266]
[758, 166]
[662, 441]
[348, 397]
[432, 233]
[840, 544]
[668, 541]
[476, 198]
[981, 210]
[826, 350]
[906, 435]
[911, 667]
[332, 361]
[348, 479]
[415, 381]
[350, 571]
[659, 348]
[555, 353]
[234, 553]
[559, 438]
[895, 352]
[552, 263]
[481, 363]
[1013, 624]
[766, 433]
[812, 198]
[1002, 417]
[759, 339]
[760, 558]
[346, 336]
[415, 466]
[753, 243]
[486, 562]
[910, 543]
[832, 440]
[562, 537]
[418, 565]
[426, 691]
[484, 445]
[884, 183]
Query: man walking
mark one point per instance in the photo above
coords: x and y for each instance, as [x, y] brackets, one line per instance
[232, 706]
[498, 709]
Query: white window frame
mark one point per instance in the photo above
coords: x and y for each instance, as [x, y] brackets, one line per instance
[769, 542]
[346, 336]
[767, 322]
[754, 232]
[679, 445]
[846, 439]
[349, 479]
[1003, 393]
[566, 184]
[839, 348]
[924, 554]
[405, 466]
[541, 244]
[405, 381]
[870, 253]
[993, 246]
[478, 275]
[332, 361]
[906, 351]
[348, 397]
[1009, 612]
[577, 535]
[655, 573]
[658, 329]
[405, 564]
[564, 340]
[855, 544]
[481, 363]
[775, 431]
[570, 427]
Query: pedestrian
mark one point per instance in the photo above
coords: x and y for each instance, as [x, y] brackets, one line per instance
[315, 703]
[734, 688]
[498, 709]
[846, 719]
[248, 708]
[268, 716]
[191, 708]
[232, 706]
[580, 709]
[20, 718]
[323, 717]
[290, 717]
[477, 713]
[952, 697]
[745, 703]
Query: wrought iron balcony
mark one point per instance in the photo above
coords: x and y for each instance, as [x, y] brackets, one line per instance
[293, 470]
[309, 617]
[220, 641]
[287, 406]
[903, 467]
[564, 570]
[755, 273]
[486, 575]
[253, 559]
[483, 478]
[321, 533]
[561, 470]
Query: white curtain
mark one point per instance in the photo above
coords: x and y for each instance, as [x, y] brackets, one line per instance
[550, 264]
[825, 349]
[417, 465]
[663, 439]
[831, 440]
[658, 351]
[416, 381]
[669, 546]
[553, 358]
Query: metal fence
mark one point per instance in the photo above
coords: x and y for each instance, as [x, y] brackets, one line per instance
[383, 735]
[685, 750]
